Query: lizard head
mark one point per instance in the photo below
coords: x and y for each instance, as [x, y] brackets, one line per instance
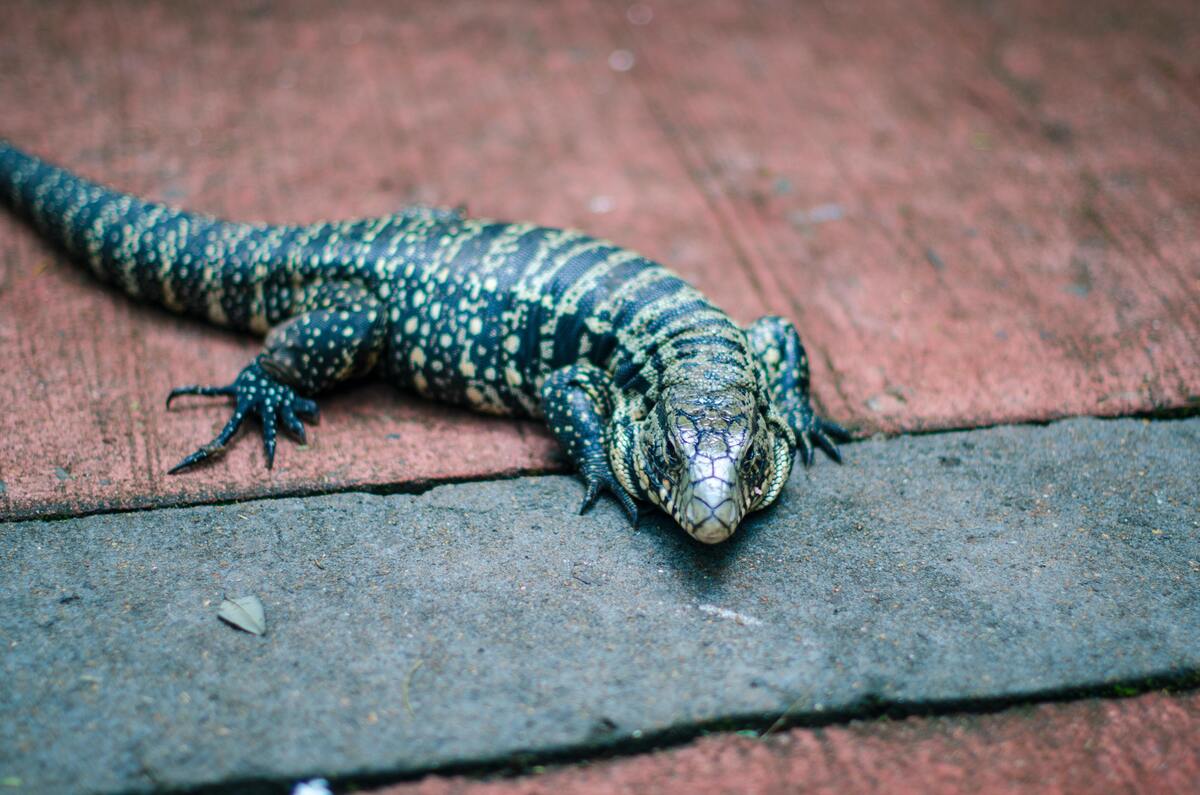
[708, 458]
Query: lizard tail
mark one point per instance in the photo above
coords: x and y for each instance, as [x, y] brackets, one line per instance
[188, 263]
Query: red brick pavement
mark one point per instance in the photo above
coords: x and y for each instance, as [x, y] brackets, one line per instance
[977, 213]
[1149, 744]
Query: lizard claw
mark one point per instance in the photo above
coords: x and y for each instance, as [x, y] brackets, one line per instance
[823, 434]
[833, 430]
[254, 392]
[804, 447]
[606, 482]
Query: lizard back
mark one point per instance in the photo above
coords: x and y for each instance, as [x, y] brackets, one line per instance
[479, 312]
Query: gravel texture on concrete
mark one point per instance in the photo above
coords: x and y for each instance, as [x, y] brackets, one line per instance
[478, 620]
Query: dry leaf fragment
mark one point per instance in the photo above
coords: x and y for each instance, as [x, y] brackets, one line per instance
[245, 613]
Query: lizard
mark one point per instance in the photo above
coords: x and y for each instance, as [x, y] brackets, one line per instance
[655, 394]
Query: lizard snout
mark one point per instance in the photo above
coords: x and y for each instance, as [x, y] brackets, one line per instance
[710, 514]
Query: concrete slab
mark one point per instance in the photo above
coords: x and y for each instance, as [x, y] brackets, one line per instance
[1146, 744]
[480, 620]
[976, 214]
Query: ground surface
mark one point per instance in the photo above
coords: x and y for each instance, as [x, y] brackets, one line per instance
[481, 620]
[977, 213]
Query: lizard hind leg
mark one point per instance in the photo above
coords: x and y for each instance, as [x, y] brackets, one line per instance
[776, 345]
[308, 354]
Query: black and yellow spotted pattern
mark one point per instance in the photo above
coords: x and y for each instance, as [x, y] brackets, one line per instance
[656, 395]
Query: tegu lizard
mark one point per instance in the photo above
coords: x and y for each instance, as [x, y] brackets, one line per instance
[655, 394]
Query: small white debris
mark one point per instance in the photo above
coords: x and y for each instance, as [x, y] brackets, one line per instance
[245, 613]
[721, 612]
[601, 204]
[621, 60]
[316, 786]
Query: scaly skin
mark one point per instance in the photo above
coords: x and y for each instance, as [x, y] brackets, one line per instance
[656, 395]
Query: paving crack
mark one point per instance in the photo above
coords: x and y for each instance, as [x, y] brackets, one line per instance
[59, 512]
[871, 707]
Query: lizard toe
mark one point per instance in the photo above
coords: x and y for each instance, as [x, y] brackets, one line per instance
[254, 392]
[606, 482]
[825, 435]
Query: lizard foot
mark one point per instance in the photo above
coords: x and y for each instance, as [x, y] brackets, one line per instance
[606, 482]
[254, 392]
[823, 434]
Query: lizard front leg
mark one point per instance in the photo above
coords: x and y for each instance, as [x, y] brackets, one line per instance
[307, 354]
[578, 405]
[776, 346]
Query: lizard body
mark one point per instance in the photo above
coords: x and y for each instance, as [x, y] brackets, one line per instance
[654, 392]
